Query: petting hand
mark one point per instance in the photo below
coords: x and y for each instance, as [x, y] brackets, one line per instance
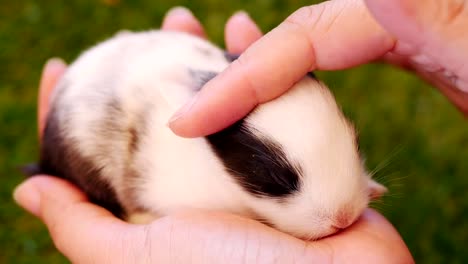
[427, 37]
[86, 233]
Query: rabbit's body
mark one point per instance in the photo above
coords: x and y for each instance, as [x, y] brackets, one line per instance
[292, 163]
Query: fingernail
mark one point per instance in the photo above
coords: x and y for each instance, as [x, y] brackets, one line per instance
[54, 64]
[242, 15]
[184, 109]
[27, 195]
[179, 11]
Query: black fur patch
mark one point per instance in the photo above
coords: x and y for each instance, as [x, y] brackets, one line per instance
[257, 163]
[200, 78]
[60, 158]
[230, 56]
[312, 75]
[115, 129]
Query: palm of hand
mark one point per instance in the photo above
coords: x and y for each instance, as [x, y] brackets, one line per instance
[87, 233]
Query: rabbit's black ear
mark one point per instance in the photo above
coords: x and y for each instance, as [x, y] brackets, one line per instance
[230, 56]
[200, 78]
[30, 169]
[312, 75]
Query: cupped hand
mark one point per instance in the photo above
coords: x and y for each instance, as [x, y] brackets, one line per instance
[427, 37]
[86, 233]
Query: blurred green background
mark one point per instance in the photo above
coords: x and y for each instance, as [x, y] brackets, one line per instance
[404, 124]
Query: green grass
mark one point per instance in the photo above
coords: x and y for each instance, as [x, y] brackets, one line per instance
[399, 118]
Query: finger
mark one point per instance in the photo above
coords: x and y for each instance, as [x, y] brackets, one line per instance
[439, 79]
[52, 72]
[432, 34]
[240, 32]
[332, 35]
[182, 19]
[372, 239]
[448, 86]
[79, 229]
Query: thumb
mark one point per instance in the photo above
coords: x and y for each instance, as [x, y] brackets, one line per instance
[80, 230]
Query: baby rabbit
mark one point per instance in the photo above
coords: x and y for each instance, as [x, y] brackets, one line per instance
[292, 163]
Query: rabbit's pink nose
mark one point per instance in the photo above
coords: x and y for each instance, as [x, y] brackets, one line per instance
[343, 219]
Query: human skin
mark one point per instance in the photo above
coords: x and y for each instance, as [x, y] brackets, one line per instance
[86, 233]
[425, 36]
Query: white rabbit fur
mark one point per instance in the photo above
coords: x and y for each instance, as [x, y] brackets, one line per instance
[112, 106]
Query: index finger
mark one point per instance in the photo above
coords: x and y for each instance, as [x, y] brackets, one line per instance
[332, 35]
